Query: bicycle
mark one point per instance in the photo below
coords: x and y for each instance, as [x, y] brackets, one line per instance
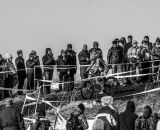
[89, 87]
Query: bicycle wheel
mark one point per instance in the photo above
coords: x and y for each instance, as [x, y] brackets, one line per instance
[87, 90]
[111, 84]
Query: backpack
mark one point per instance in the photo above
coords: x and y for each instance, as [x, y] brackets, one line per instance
[43, 125]
[72, 122]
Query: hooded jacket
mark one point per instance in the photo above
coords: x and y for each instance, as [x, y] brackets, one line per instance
[107, 119]
[127, 118]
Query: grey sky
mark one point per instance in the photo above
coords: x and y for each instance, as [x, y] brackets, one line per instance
[37, 24]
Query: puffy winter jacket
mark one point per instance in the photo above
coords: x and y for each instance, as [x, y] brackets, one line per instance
[133, 52]
[155, 53]
[115, 55]
[82, 57]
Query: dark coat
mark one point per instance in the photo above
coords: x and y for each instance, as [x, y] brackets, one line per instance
[62, 64]
[20, 65]
[115, 55]
[3, 68]
[48, 60]
[72, 60]
[125, 50]
[11, 119]
[41, 124]
[143, 123]
[82, 57]
[127, 118]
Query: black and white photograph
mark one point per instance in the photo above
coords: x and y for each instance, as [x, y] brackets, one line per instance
[79, 65]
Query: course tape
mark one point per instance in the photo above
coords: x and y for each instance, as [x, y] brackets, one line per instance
[96, 77]
[105, 62]
[144, 92]
[71, 66]
[10, 89]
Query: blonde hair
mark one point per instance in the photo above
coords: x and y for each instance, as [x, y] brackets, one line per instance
[107, 100]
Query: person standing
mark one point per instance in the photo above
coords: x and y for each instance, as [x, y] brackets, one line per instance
[114, 57]
[21, 70]
[84, 60]
[145, 58]
[72, 60]
[133, 57]
[62, 68]
[30, 63]
[126, 65]
[107, 116]
[48, 62]
[2, 76]
[128, 117]
[12, 77]
[38, 70]
[146, 121]
[156, 55]
[11, 118]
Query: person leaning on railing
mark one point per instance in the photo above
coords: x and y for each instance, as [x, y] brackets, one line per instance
[133, 57]
[12, 77]
[156, 55]
[146, 64]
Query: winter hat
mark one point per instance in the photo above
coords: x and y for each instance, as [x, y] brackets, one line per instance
[33, 52]
[130, 106]
[95, 43]
[19, 52]
[135, 42]
[130, 36]
[7, 56]
[62, 51]
[69, 46]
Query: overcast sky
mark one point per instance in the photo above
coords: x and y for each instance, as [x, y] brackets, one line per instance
[37, 24]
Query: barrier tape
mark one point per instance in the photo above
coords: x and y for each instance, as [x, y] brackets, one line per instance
[30, 104]
[96, 77]
[144, 92]
[105, 62]
[72, 66]
[11, 89]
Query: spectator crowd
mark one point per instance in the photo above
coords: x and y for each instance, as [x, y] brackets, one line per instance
[123, 56]
[107, 118]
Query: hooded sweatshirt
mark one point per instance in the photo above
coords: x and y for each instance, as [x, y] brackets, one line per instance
[127, 118]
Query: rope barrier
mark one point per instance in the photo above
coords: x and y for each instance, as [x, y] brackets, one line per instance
[71, 66]
[144, 92]
[11, 89]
